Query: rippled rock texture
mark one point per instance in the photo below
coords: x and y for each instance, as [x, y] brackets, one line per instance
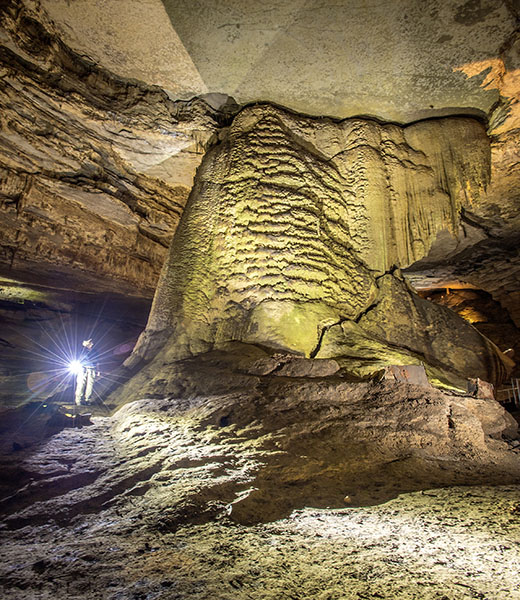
[291, 236]
[95, 168]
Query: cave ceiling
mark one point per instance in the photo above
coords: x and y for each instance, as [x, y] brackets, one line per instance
[107, 113]
[401, 60]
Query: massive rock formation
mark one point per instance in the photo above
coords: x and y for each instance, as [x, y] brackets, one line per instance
[292, 233]
[97, 161]
[240, 433]
[283, 288]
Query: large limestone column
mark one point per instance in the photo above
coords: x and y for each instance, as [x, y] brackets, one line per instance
[292, 233]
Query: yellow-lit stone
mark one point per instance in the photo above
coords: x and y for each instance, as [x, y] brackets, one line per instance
[293, 221]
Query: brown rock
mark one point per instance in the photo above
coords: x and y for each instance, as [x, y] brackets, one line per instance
[308, 367]
[414, 374]
[79, 207]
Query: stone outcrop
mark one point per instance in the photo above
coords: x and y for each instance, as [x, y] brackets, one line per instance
[282, 329]
[492, 261]
[77, 146]
[292, 232]
[484, 313]
[402, 328]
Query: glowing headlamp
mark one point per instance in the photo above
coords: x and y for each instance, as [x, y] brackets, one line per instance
[75, 367]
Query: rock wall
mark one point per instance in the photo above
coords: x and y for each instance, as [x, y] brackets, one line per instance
[293, 223]
[402, 328]
[94, 169]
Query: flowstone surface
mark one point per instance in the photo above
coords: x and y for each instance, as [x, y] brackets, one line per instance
[291, 237]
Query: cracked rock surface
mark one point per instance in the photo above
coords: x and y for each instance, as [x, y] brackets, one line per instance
[96, 166]
[456, 543]
[290, 226]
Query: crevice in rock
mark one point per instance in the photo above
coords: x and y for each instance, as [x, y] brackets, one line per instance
[473, 220]
[498, 114]
[357, 319]
[451, 422]
[321, 335]
[513, 8]
[394, 269]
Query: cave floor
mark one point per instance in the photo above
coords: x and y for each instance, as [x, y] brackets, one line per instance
[444, 544]
[134, 507]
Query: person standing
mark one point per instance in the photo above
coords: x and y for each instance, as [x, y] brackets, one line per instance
[86, 376]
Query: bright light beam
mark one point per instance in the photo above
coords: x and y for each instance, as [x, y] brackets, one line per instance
[75, 367]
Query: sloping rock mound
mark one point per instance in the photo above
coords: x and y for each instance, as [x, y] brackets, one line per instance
[257, 447]
[401, 328]
[293, 228]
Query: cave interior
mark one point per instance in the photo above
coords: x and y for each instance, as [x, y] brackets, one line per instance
[260, 299]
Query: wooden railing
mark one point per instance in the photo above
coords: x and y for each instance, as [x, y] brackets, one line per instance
[513, 393]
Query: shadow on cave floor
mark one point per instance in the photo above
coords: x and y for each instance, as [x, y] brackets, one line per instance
[42, 329]
[24, 430]
[209, 440]
[321, 441]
